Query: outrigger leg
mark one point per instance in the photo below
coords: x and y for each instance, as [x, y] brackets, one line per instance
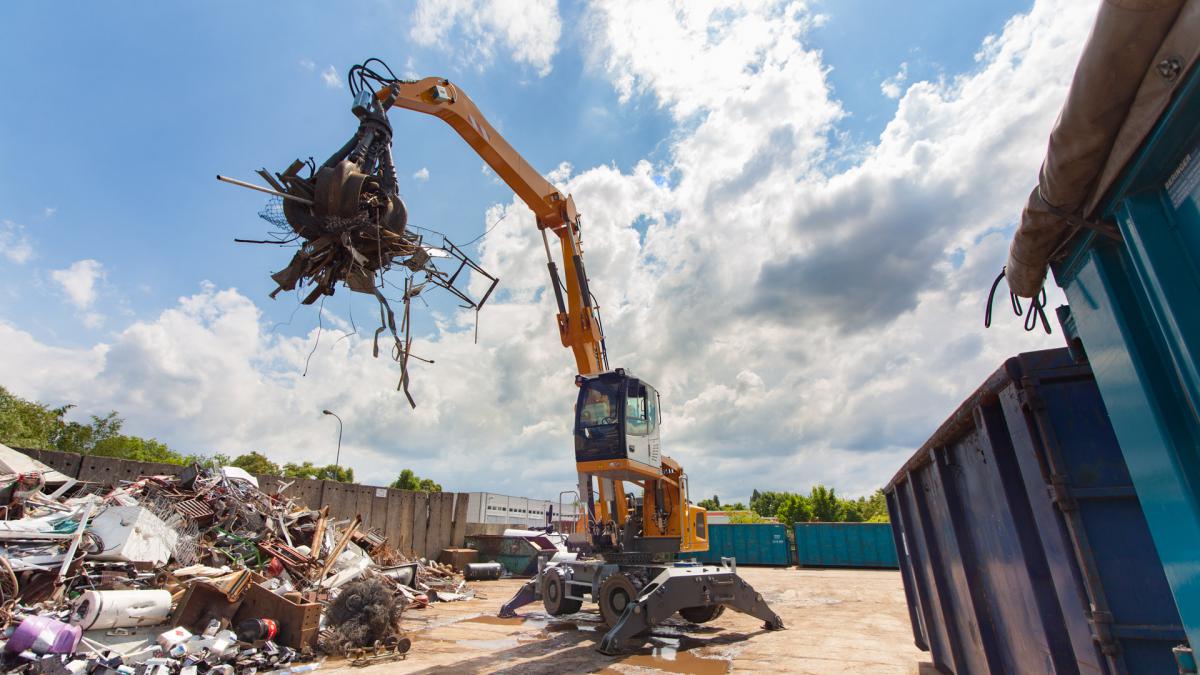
[678, 588]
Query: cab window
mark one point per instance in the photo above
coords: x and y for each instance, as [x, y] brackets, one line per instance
[636, 411]
[652, 409]
[599, 405]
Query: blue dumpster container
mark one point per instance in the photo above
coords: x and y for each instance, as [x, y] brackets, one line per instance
[1135, 312]
[1023, 547]
[845, 545]
[749, 543]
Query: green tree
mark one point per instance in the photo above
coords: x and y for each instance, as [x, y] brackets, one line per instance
[341, 474]
[766, 504]
[83, 438]
[826, 507]
[736, 506]
[327, 472]
[711, 504]
[745, 517]
[852, 510]
[409, 480]
[256, 463]
[24, 424]
[135, 448]
[794, 509]
[875, 507]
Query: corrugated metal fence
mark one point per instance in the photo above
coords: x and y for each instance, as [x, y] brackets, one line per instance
[415, 523]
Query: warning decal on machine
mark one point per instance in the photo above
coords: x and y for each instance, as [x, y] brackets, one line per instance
[1183, 180]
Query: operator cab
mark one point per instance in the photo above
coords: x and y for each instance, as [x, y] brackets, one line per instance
[617, 426]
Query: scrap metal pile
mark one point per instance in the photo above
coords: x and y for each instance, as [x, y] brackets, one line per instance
[352, 227]
[192, 574]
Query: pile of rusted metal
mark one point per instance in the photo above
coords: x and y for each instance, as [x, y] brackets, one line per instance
[197, 573]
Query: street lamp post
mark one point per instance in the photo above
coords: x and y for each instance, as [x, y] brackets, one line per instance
[338, 459]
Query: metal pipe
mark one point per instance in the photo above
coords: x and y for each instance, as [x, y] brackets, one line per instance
[260, 188]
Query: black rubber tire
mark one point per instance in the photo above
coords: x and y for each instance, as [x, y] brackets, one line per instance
[702, 614]
[554, 595]
[616, 593]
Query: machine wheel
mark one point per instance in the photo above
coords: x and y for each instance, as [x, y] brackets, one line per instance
[702, 614]
[554, 595]
[616, 593]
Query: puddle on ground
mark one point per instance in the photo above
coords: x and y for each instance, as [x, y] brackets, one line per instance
[523, 621]
[489, 645]
[496, 620]
[673, 656]
[563, 626]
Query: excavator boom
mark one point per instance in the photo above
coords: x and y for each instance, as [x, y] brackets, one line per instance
[578, 322]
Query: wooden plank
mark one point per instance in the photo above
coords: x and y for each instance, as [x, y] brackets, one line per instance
[445, 517]
[405, 537]
[420, 522]
[458, 528]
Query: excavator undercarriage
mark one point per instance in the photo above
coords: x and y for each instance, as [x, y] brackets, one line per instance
[633, 598]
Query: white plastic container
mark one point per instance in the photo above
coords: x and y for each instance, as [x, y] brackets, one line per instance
[121, 609]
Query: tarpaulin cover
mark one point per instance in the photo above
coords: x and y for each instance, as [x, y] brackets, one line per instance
[1138, 51]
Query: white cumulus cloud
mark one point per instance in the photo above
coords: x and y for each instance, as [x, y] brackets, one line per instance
[79, 281]
[892, 87]
[421, 174]
[527, 30]
[331, 78]
[804, 320]
[15, 245]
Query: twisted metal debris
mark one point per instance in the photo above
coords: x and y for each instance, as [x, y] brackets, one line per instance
[352, 229]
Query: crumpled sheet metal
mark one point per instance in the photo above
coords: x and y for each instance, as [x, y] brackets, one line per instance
[252, 555]
[1116, 96]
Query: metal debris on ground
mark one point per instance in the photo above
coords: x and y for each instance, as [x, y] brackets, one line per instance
[351, 227]
[200, 573]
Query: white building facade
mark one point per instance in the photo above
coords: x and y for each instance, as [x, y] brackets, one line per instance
[489, 507]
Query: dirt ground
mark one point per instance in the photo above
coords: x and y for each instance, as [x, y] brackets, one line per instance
[838, 621]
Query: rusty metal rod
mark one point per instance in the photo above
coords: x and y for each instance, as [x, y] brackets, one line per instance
[260, 188]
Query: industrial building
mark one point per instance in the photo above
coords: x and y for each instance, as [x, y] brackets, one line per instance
[489, 507]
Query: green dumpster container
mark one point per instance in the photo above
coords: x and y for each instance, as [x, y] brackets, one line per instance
[748, 543]
[845, 545]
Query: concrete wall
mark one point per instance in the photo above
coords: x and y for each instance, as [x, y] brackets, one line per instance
[415, 523]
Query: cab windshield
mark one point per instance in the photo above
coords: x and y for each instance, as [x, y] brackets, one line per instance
[599, 404]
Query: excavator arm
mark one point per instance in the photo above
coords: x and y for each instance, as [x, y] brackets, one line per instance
[578, 323]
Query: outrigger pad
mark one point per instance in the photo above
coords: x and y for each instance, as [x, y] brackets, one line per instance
[524, 596]
[679, 587]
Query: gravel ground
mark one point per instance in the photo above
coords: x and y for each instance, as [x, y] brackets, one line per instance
[838, 621]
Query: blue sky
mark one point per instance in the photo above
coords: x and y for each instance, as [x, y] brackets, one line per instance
[165, 95]
[119, 116]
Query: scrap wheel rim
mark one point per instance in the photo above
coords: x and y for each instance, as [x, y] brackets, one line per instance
[616, 593]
